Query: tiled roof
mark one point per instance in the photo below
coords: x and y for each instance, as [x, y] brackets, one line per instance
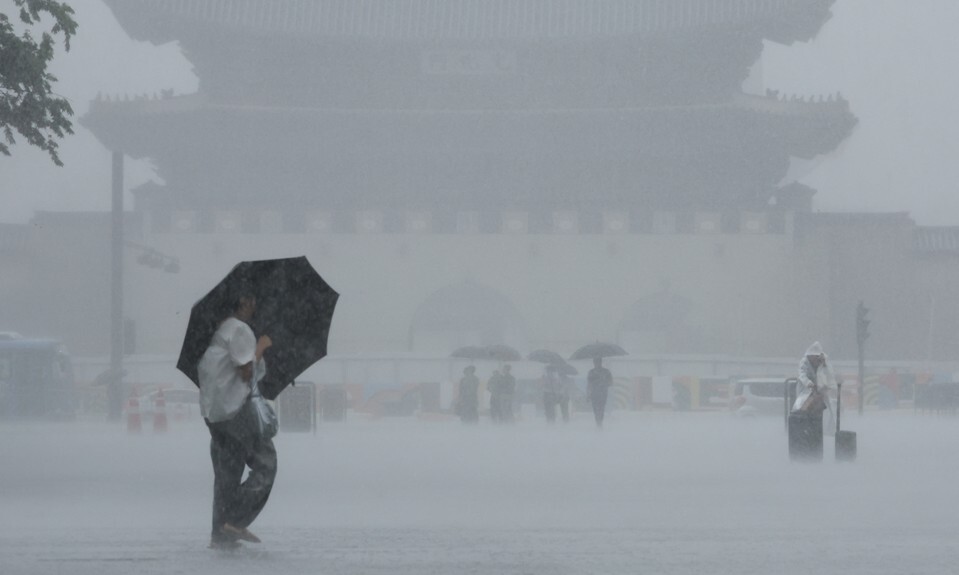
[473, 19]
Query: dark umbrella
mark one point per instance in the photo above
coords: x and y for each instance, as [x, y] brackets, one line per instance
[470, 352]
[294, 306]
[597, 349]
[552, 358]
[501, 352]
[498, 352]
[546, 356]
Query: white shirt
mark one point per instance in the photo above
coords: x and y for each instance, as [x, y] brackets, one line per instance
[222, 390]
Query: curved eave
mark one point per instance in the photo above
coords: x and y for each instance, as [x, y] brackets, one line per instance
[804, 128]
[162, 21]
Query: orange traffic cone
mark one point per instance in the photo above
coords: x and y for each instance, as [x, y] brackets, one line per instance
[134, 424]
[159, 413]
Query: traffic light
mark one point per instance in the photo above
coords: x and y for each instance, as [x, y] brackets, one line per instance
[862, 323]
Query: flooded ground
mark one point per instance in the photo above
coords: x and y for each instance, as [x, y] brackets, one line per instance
[652, 493]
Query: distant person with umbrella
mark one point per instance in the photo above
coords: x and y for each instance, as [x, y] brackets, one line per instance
[467, 403]
[495, 388]
[598, 382]
[232, 363]
[599, 379]
[502, 386]
[551, 392]
[565, 387]
[508, 392]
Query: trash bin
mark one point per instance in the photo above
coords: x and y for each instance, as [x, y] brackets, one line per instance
[805, 436]
[295, 407]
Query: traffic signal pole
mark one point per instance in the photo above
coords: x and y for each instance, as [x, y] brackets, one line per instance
[862, 334]
[115, 391]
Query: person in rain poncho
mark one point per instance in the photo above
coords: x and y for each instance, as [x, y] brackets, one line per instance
[230, 366]
[815, 380]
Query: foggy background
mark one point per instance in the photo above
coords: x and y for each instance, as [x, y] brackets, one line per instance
[893, 61]
[657, 490]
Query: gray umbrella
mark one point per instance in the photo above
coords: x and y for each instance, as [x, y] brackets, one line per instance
[501, 352]
[597, 349]
[546, 356]
[470, 352]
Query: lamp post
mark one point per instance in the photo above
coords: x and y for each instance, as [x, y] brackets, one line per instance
[149, 257]
[115, 391]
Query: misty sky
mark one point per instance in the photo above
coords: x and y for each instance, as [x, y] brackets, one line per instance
[892, 59]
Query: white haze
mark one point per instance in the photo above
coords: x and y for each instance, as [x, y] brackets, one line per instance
[653, 492]
[893, 60]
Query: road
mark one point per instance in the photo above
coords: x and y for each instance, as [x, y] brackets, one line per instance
[651, 493]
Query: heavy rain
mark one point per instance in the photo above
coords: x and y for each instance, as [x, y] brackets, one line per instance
[479, 286]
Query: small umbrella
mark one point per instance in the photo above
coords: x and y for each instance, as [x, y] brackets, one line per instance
[294, 306]
[497, 352]
[470, 352]
[597, 349]
[546, 356]
[501, 352]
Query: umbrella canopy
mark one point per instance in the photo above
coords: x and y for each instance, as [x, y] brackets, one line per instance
[552, 358]
[501, 352]
[597, 349]
[498, 352]
[294, 306]
[470, 352]
[546, 356]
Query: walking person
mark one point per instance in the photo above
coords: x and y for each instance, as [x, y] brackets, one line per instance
[495, 388]
[565, 390]
[508, 392]
[551, 392]
[598, 382]
[232, 363]
[467, 403]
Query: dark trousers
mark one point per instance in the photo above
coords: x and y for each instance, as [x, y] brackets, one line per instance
[234, 447]
[550, 400]
[469, 412]
[501, 408]
[599, 406]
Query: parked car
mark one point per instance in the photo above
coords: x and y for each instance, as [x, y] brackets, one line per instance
[757, 396]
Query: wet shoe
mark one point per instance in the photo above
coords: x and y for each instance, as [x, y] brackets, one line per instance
[240, 533]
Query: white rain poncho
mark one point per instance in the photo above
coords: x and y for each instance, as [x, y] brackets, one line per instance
[222, 390]
[812, 379]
